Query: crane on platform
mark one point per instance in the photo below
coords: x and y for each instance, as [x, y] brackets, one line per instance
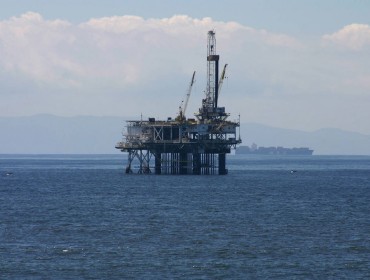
[184, 103]
[223, 76]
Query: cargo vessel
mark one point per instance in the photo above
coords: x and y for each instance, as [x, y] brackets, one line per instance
[254, 150]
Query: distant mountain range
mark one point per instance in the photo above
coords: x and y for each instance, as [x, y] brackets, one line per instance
[48, 134]
[325, 141]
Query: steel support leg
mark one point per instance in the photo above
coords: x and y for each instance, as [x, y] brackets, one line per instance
[222, 164]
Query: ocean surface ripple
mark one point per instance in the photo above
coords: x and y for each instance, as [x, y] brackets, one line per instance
[74, 216]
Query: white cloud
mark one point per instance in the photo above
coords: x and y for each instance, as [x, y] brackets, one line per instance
[121, 50]
[354, 36]
[182, 26]
[37, 48]
[125, 65]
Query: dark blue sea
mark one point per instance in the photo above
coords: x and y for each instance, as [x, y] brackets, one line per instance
[82, 217]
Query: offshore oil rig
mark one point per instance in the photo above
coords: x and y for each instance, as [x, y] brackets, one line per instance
[185, 145]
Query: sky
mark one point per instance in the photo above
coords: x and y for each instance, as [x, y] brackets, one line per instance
[291, 64]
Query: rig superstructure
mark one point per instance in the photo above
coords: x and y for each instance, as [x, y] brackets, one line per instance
[185, 145]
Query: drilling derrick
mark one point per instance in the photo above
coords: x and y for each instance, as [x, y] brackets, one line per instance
[209, 104]
[185, 145]
[212, 72]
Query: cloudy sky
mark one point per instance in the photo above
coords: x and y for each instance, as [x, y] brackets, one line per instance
[292, 64]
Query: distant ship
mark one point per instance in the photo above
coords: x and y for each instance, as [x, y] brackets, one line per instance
[254, 150]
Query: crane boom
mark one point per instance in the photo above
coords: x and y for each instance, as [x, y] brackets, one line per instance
[188, 93]
[223, 75]
[184, 104]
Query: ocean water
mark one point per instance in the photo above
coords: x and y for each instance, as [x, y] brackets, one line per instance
[73, 216]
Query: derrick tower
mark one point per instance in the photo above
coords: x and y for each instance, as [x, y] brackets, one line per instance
[210, 110]
[212, 72]
[185, 145]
